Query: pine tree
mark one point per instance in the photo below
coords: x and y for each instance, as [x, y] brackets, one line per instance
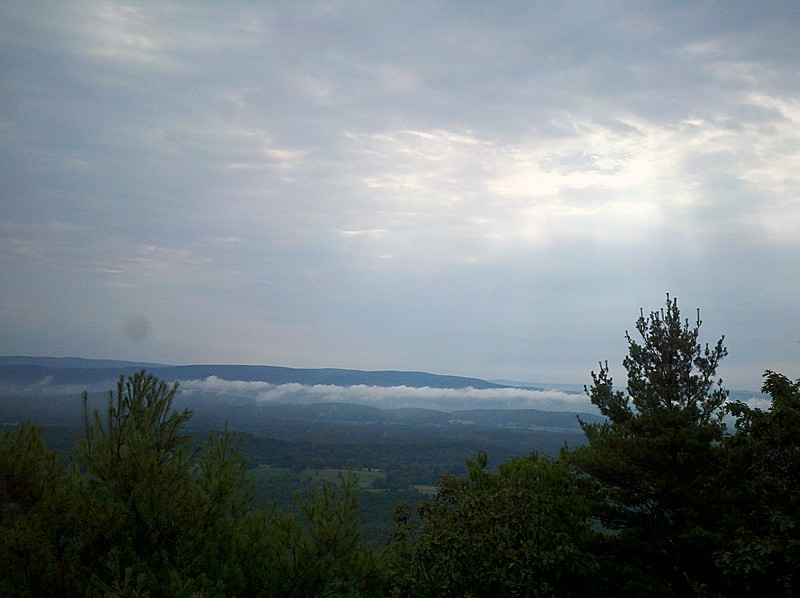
[657, 456]
[140, 512]
[157, 514]
[36, 506]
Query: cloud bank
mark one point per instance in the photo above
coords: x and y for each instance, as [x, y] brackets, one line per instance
[391, 397]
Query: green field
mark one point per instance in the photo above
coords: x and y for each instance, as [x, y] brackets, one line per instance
[268, 474]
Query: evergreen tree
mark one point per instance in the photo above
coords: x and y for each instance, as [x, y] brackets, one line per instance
[37, 556]
[657, 457]
[313, 550]
[139, 512]
[156, 514]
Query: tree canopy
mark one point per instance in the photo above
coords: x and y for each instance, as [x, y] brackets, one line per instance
[664, 500]
[519, 532]
[140, 512]
[761, 550]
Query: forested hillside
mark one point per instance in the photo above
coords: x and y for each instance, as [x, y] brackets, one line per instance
[660, 498]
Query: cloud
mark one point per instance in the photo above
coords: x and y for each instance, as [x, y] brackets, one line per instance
[445, 399]
[392, 397]
[46, 388]
[457, 188]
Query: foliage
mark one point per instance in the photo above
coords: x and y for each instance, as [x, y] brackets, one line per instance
[663, 501]
[668, 371]
[139, 512]
[312, 551]
[657, 458]
[520, 532]
[762, 552]
[152, 504]
[36, 506]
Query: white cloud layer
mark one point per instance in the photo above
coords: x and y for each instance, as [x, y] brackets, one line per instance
[391, 397]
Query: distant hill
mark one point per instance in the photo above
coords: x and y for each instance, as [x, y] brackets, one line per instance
[74, 362]
[566, 387]
[48, 389]
[247, 415]
[71, 370]
[244, 414]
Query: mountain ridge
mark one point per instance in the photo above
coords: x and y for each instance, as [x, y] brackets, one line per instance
[68, 370]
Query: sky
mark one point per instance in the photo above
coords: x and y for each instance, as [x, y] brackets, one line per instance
[488, 189]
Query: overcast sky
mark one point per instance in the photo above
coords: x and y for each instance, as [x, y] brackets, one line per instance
[490, 189]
